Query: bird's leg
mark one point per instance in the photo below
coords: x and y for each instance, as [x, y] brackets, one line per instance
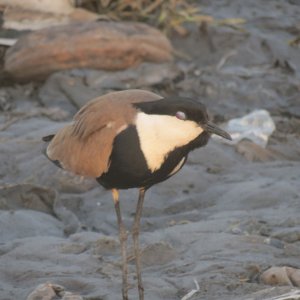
[135, 236]
[123, 242]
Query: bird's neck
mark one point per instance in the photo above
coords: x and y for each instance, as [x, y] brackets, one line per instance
[161, 134]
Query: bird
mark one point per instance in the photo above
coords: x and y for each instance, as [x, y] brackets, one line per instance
[131, 139]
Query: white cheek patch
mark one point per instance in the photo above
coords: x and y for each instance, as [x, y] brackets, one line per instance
[160, 134]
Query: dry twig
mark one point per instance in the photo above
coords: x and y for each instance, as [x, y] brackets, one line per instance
[192, 292]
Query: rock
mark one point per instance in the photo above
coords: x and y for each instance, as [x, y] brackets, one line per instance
[73, 248]
[68, 218]
[27, 223]
[146, 74]
[8, 165]
[71, 89]
[27, 19]
[55, 92]
[27, 196]
[254, 152]
[281, 276]
[105, 246]
[97, 45]
[49, 291]
[289, 235]
[214, 156]
[159, 253]
[19, 19]
[53, 6]
[275, 243]
[43, 291]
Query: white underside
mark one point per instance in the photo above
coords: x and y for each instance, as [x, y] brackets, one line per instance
[160, 134]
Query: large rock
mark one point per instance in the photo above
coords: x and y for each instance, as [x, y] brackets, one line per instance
[97, 45]
[53, 6]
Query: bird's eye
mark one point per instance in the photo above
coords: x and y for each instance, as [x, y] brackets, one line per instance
[180, 115]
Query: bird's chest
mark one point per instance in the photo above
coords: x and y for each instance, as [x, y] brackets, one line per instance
[132, 165]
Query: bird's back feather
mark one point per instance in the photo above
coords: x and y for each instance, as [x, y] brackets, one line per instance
[84, 146]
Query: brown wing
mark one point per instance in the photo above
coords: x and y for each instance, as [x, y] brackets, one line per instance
[84, 147]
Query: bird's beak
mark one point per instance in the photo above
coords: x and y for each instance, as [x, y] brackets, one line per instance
[212, 128]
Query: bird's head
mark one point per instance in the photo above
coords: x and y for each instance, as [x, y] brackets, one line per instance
[183, 110]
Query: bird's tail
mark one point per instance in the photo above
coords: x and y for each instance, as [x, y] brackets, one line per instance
[48, 138]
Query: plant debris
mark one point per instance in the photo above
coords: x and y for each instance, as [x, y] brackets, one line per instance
[166, 15]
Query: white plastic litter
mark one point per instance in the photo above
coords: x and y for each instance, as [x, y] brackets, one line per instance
[256, 126]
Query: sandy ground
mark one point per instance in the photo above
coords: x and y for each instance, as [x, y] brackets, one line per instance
[232, 211]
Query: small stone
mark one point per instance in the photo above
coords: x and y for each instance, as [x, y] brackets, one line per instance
[289, 235]
[274, 242]
[73, 248]
[158, 254]
[236, 230]
[105, 246]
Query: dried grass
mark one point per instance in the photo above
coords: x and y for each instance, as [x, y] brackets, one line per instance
[165, 14]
